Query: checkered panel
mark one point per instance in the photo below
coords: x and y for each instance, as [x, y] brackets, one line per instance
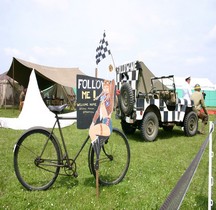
[132, 73]
[178, 114]
[185, 102]
[166, 116]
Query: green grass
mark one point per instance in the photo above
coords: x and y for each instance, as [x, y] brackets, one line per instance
[154, 170]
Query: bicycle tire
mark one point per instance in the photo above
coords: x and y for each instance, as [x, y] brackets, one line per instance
[112, 169]
[34, 153]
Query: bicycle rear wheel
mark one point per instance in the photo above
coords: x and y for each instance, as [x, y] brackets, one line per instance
[114, 159]
[37, 159]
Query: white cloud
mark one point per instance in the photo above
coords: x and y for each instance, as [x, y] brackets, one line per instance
[148, 54]
[13, 52]
[53, 4]
[167, 35]
[212, 33]
[123, 40]
[48, 51]
[196, 60]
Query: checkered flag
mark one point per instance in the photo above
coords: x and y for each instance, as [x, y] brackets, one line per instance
[102, 50]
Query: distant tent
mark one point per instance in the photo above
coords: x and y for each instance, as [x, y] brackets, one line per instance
[205, 83]
[65, 94]
[35, 112]
[9, 91]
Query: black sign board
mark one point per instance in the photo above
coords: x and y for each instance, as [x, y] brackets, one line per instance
[88, 88]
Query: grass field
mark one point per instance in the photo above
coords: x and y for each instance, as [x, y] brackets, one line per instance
[154, 170]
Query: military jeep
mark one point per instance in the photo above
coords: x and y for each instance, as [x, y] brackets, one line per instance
[146, 102]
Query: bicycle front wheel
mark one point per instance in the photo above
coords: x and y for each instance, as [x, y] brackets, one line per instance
[37, 159]
[114, 159]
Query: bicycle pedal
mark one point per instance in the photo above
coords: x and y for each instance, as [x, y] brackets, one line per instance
[75, 174]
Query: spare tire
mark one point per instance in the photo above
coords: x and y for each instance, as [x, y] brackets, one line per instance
[126, 99]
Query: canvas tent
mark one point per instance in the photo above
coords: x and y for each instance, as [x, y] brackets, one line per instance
[9, 91]
[65, 78]
[20, 71]
[36, 77]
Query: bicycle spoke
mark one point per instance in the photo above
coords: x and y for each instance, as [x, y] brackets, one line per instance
[114, 159]
[36, 172]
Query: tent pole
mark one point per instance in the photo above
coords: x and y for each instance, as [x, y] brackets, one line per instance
[13, 86]
[65, 92]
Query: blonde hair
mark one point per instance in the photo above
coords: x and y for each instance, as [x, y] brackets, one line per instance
[106, 82]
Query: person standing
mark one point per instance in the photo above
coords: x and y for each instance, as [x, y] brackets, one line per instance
[199, 104]
[204, 94]
[22, 98]
[187, 89]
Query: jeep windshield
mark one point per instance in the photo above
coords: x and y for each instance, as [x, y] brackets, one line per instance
[163, 83]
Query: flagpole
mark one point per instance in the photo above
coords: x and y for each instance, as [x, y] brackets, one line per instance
[113, 60]
[96, 72]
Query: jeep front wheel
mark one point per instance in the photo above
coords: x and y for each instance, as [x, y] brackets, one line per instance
[149, 127]
[191, 124]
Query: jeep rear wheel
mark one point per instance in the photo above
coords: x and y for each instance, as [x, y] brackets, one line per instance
[126, 99]
[191, 124]
[149, 127]
[127, 127]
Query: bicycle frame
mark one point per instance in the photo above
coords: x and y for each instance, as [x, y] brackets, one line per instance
[66, 156]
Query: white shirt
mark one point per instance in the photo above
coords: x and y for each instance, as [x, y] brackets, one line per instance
[187, 91]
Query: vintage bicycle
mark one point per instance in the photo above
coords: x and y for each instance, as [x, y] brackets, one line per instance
[39, 156]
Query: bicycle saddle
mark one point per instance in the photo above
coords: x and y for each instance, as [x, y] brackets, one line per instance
[57, 108]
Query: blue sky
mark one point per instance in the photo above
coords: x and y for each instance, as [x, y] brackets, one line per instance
[170, 36]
